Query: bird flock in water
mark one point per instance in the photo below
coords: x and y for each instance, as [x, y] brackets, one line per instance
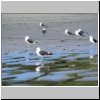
[43, 26]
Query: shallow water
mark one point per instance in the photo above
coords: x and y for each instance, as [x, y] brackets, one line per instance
[74, 61]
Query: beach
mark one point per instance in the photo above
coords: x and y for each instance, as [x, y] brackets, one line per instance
[74, 61]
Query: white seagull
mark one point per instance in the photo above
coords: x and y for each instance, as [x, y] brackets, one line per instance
[80, 32]
[42, 53]
[42, 25]
[29, 40]
[92, 40]
[67, 32]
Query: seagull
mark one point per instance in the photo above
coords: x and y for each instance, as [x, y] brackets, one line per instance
[80, 32]
[42, 53]
[42, 25]
[29, 40]
[92, 40]
[68, 32]
[44, 30]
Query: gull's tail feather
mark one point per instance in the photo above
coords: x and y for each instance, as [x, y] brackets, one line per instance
[50, 53]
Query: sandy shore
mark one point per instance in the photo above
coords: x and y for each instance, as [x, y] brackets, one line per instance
[16, 26]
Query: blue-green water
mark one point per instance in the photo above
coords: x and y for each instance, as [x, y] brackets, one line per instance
[63, 68]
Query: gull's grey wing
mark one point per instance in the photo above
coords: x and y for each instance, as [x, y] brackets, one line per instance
[81, 33]
[70, 33]
[30, 41]
[42, 24]
[42, 52]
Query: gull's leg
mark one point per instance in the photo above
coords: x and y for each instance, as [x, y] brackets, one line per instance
[41, 58]
[27, 47]
[79, 37]
[27, 55]
[40, 61]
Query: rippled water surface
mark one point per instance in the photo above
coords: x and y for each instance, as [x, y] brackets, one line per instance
[74, 61]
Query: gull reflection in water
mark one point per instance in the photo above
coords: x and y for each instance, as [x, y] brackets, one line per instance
[27, 56]
[41, 68]
[92, 51]
[91, 56]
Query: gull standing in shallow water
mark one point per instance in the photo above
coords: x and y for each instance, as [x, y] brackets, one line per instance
[29, 41]
[92, 40]
[42, 53]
